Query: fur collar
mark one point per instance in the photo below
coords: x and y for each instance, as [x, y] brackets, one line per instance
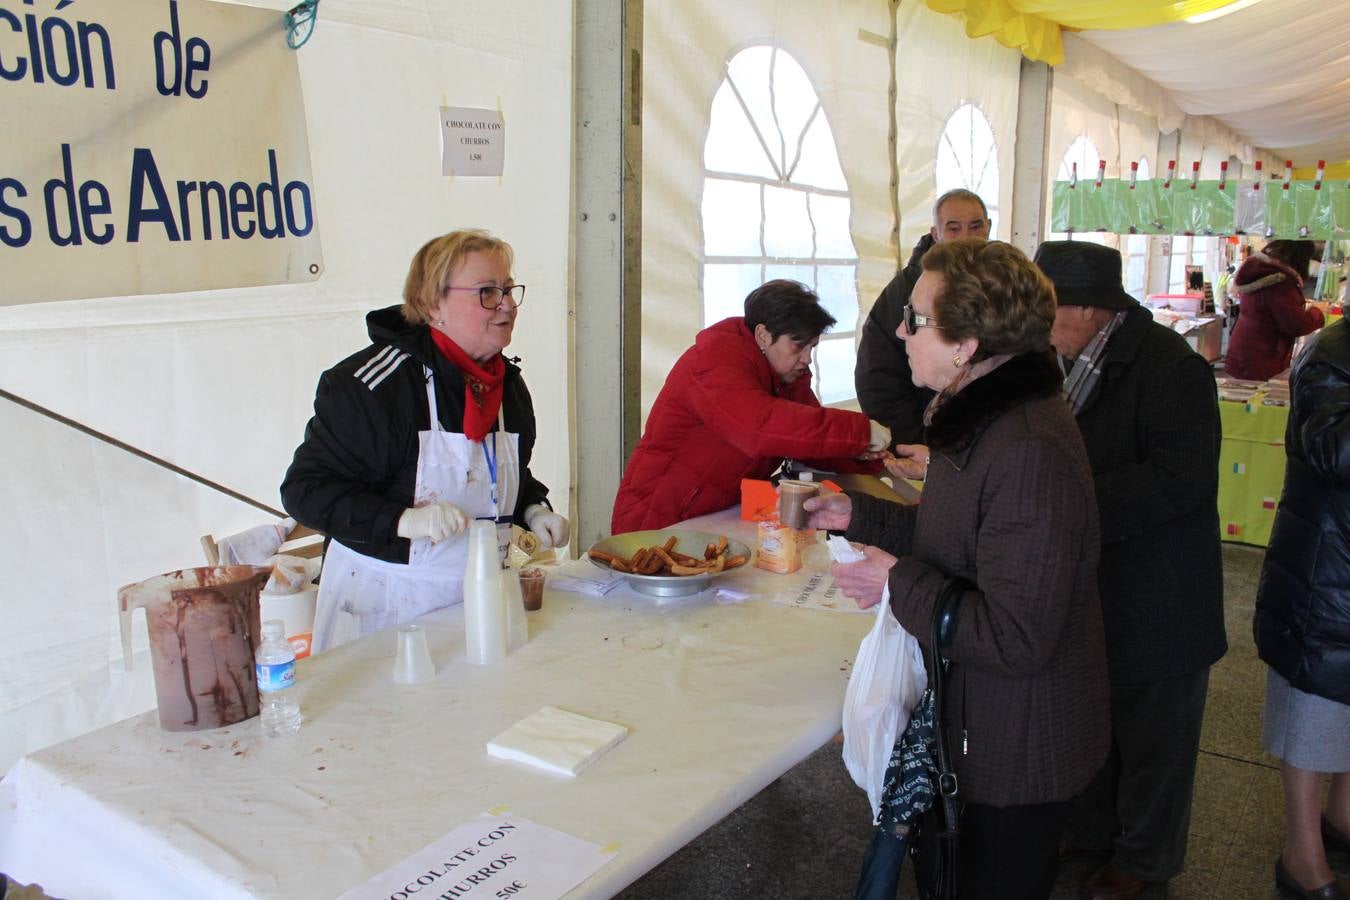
[1261, 271]
[1264, 281]
[960, 421]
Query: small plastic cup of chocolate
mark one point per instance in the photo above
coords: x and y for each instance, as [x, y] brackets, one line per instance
[532, 587]
[791, 497]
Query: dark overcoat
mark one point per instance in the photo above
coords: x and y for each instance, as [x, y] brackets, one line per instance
[1152, 433]
[1008, 507]
[885, 385]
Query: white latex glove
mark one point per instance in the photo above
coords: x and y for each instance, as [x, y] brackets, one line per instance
[551, 528]
[881, 438]
[435, 522]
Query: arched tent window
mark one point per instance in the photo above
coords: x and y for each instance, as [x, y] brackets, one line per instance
[776, 205]
[1083, 152]
[967, 157]
[1136, 251]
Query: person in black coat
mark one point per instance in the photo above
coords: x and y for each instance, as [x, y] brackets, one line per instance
[426, 430]
[1147, 406]
[886, 389]
[1302, 622]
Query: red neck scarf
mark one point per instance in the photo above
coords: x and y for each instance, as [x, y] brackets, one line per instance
[482, 385]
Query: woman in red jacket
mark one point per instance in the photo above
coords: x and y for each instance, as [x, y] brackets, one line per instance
[736, 404]
[1270, 288]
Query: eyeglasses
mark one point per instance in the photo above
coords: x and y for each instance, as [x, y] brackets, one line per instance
[490, 296]
[915, 320]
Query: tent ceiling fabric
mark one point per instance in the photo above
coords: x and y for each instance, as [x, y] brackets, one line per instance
[1277, 73]
[1033, 26]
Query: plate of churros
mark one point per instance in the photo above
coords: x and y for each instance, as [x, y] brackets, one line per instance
[669, 562]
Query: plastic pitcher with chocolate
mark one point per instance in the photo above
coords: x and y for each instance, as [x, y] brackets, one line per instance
[204, 628]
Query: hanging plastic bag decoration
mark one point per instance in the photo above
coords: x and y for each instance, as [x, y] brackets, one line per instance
[887, 680]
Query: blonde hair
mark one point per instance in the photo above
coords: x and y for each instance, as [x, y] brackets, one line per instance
[993, 293]
[431, 268]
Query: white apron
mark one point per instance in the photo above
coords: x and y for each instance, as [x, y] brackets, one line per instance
[359, 594]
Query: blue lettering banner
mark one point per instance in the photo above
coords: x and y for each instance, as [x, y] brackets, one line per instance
[151, 146]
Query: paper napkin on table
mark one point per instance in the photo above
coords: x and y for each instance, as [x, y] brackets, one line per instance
[731, 595]
[596, 585]
[841, 551]
[557, 741]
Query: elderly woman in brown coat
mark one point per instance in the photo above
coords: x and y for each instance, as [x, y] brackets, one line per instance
[1009, 508]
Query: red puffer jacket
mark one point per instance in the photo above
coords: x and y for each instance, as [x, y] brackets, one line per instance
[723, 415]
[1273, 315]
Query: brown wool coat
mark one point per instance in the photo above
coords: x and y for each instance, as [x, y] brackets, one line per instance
[1009, 507]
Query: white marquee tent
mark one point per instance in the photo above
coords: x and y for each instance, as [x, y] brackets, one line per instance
[220, 382]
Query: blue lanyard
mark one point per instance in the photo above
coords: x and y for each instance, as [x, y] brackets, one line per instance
[491, 460]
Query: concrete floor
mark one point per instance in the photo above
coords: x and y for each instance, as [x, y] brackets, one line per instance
[804, 836]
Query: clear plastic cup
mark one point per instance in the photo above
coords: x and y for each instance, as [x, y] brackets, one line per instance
[532, 587]
[413, 664]
[791, 497]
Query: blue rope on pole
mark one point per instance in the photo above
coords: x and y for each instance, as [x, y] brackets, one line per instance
[300, 23]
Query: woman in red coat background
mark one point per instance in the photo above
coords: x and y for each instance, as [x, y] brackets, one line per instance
[1270, 288]
[734, 406]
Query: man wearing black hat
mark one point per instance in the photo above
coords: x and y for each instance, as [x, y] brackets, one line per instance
[1147, 407]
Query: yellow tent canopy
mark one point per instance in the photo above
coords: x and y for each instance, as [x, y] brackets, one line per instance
[1335, 172]
[1034, 26]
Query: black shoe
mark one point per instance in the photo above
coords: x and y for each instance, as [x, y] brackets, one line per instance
[1109, 883]
[1289, 887]
[1069, 851]
[1335, 843]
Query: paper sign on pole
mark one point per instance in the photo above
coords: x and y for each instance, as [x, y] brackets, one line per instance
[150, 146]
[490, 857]
[473, 141]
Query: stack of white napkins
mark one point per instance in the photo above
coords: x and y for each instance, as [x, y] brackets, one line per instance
[557, 741]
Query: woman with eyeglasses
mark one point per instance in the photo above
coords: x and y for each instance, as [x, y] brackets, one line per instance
[734, 406]
[1009, 509]
[425, 430]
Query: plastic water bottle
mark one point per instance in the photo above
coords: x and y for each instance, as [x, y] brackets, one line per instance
[275, 666]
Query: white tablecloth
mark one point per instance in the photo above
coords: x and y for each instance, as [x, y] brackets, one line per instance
[720, 700]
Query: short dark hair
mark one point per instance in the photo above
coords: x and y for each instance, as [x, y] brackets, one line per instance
[787, 307]
[958, 194]
[993, 293]
[1294, 254]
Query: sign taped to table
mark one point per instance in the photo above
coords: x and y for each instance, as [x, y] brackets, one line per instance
[154, 146]
[494, 856]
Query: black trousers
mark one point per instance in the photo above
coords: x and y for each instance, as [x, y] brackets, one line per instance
[1009, 852]
[1138, 808]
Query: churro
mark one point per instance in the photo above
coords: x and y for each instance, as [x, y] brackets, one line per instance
[664, 559]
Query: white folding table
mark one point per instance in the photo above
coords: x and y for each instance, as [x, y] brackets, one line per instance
[720, 700]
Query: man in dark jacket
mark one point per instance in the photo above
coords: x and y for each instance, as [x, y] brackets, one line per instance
[1147, 407]
[886, 392]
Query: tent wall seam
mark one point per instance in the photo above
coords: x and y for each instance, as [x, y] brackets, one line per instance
[892, 135]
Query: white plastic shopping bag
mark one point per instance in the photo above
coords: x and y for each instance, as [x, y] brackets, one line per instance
[887, 680]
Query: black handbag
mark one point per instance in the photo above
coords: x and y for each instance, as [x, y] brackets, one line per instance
[933, 841]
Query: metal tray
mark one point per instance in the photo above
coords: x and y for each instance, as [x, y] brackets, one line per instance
[690, 543]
